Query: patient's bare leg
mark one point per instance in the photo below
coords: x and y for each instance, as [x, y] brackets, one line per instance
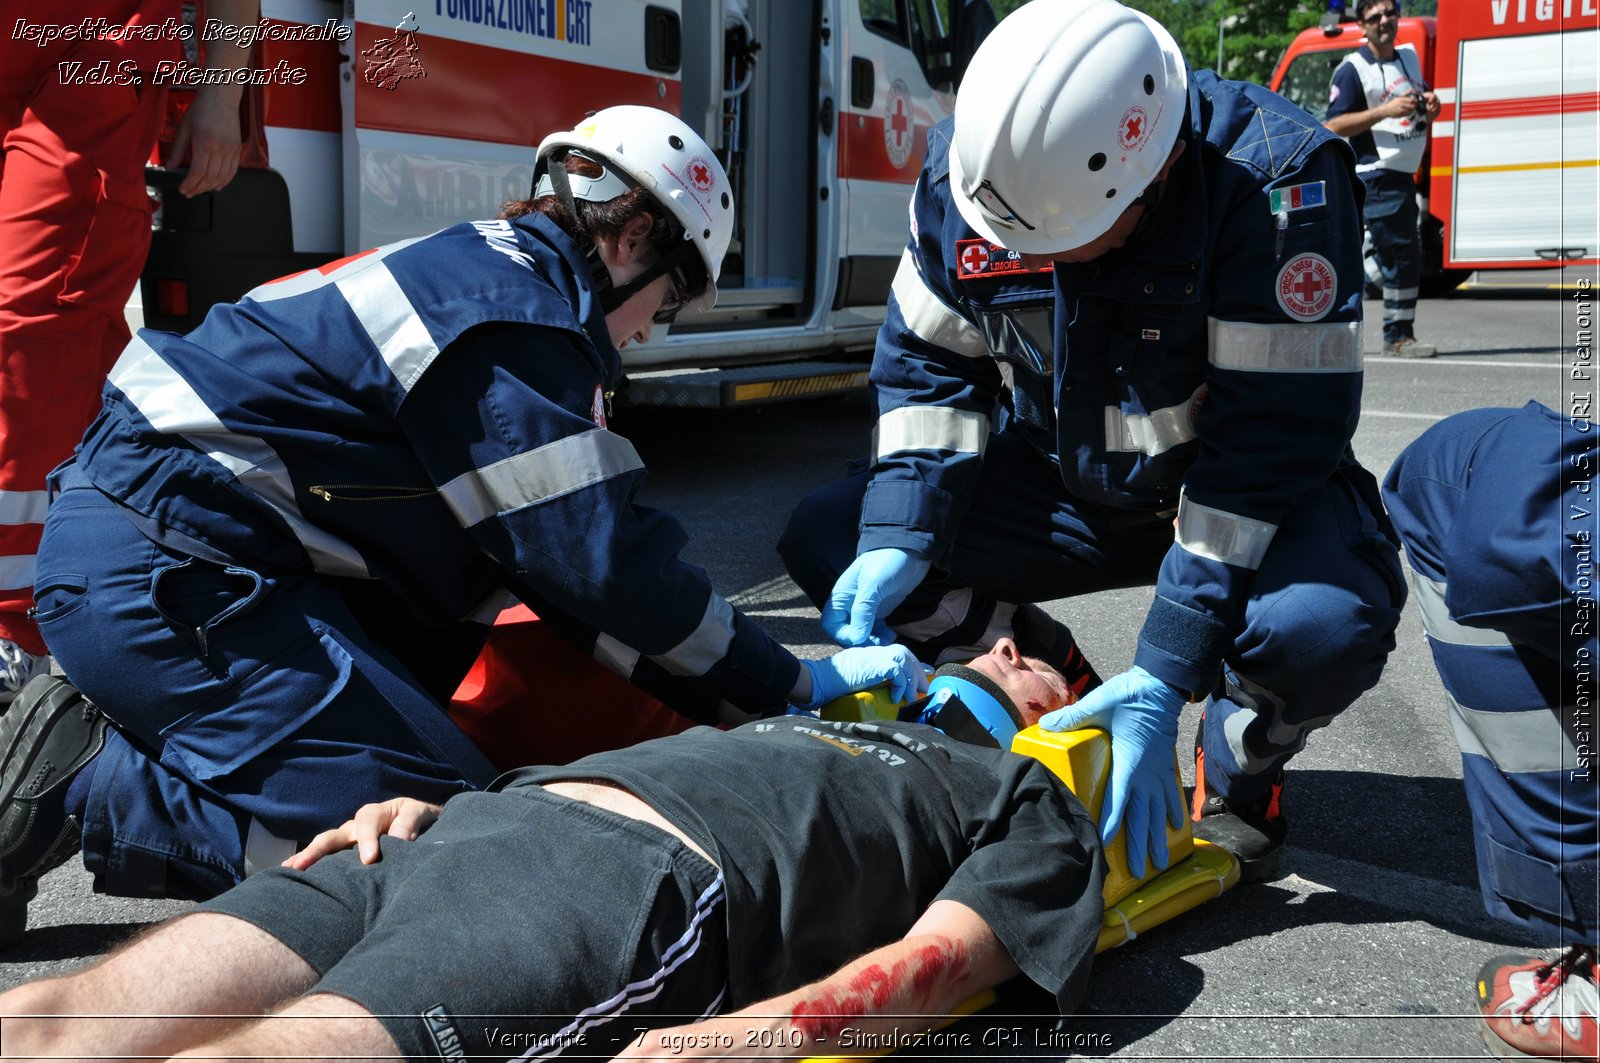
[186, 982]
[321, 1026]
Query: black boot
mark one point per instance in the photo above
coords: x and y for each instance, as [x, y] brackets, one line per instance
[47, 736]
[1253, 831]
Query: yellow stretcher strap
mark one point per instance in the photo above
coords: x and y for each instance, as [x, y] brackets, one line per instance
[1205, 873]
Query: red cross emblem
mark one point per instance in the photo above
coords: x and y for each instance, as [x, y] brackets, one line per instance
[897, 125]
[1306, 287]
[898, 120]
[1134, 129]
[975, 258]
[701, 175]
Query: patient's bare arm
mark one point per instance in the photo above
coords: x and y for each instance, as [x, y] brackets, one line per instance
[947, 957]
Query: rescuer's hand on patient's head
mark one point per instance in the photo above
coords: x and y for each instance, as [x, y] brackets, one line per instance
[861, 669]
[867, 592]
[1141, 713]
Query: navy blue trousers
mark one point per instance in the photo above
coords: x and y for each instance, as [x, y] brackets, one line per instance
[1319, 623]
[1535, 804]
[250, 710]
[1390, 213]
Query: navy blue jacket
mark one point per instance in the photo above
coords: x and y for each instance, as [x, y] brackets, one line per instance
[429, 414]
[1210, 369]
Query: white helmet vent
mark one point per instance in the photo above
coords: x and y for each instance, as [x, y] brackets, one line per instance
[1087, 87]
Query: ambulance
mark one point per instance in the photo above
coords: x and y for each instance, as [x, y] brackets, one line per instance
[1510, 179]
[370, 121]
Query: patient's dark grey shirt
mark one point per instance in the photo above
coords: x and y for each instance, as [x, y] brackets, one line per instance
[834, 838]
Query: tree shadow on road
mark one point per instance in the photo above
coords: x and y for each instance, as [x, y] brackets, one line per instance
[1365, 848]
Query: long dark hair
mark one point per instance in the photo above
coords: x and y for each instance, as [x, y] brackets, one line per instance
[600, 219]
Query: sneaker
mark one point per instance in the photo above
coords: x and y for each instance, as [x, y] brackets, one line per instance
[17, 666]
[1409, 347]
[1252, 831]
[1534, 1008]
[50, 732]
[1039, 635]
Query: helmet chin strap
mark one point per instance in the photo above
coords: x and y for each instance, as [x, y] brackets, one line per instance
[599, 274]
[615, 295]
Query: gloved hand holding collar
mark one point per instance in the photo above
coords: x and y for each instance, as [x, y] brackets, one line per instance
[862, 668]
[1141, 713]
[867, 592]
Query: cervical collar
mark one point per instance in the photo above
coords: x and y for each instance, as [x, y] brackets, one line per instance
[967, 705]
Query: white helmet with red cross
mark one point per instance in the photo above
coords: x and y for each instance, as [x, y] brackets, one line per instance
[661, 154]
[1066, 115]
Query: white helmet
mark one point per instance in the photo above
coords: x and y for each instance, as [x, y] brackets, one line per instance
[1066, 115]
[661, 154]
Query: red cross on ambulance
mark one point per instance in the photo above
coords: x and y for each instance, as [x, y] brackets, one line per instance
[899, 121]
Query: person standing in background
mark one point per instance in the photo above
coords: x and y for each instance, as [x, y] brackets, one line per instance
[1379, 102]
[79, 116]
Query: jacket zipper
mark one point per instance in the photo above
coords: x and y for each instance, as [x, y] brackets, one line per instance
[369, 492]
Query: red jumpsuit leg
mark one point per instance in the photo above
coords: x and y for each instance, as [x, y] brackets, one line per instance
[74, 229]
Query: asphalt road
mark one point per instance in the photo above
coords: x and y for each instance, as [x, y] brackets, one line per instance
[1367, 948]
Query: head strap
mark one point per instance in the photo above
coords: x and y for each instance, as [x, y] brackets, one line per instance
[555, 177]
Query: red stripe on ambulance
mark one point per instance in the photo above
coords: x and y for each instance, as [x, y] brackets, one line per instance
[864, 152]
[451, 100]
[314, 103]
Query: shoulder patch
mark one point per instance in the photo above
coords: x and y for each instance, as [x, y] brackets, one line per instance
[1306, 287]
[1298, 197]
[980, 258]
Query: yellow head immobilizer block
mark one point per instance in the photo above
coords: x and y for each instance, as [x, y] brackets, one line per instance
[1196, 871]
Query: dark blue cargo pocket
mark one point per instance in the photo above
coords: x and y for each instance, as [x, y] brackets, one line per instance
[261, 709]
[1523, 881]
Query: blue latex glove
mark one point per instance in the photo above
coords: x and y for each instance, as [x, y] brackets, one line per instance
[1141, 712]
[869, 590]
[863, 668]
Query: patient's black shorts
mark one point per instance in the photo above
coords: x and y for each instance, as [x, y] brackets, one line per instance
[523, 924]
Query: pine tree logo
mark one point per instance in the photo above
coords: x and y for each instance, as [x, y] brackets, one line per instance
[392, 60]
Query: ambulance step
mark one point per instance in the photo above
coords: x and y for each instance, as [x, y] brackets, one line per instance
[745, 385]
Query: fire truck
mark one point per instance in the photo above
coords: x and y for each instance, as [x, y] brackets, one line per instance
[370, 121]
[1510, 179]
